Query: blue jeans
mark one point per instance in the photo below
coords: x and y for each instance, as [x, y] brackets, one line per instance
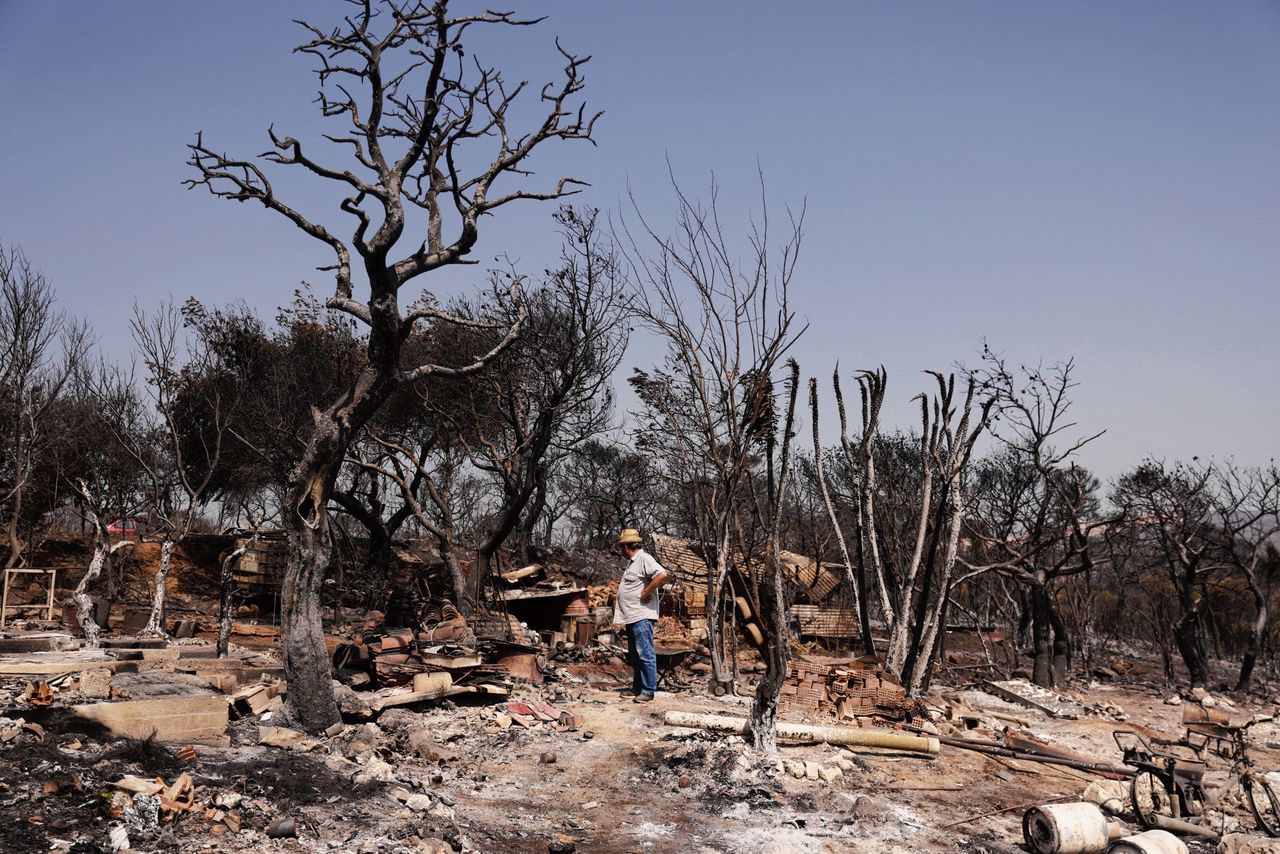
[641, 655]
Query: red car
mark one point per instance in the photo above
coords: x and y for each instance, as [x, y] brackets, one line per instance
[129, 526]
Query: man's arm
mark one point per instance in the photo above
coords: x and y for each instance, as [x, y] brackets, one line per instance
[659, 579]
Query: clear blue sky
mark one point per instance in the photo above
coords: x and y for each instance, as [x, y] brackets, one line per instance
[1098, 180]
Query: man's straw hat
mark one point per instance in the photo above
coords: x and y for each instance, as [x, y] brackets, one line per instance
[629, 537]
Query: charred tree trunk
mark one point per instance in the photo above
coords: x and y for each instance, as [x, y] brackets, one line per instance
[1186, 634]
[773, 622]
[156, 623]
[717, 580]
[306, 659]
[1042, 644]
[1257, 631]
[1061, 643]
[227, 587]
[84, 602]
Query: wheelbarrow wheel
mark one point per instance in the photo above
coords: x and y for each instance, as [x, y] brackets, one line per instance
[1150, 798]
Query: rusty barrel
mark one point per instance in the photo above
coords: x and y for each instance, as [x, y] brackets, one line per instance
[1065, 829]
[1149, 842]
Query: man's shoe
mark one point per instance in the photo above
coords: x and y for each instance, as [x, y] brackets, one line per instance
[643, 698]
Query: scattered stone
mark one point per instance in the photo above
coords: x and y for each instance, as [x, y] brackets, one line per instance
[866, 808]
[96, 685]
[1244, 843]
[353, 706]
[1198, 694]
[810, 770]
[1173, 700]
[376, 771]
[684, 782]
[1111, 795]
[419, 803]
[1102, 672]
[1208, 702]
[796, 769]
[562, 845]
[548, 758]
[420, 743]
[829, 774]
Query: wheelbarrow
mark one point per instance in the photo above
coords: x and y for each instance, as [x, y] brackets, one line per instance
[669, 658]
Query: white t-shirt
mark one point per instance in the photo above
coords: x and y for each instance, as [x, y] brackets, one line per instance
[629, 608]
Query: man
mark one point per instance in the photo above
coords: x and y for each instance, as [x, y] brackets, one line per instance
[637, 609]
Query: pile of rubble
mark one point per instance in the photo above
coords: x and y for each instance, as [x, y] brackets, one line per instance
[842, 689]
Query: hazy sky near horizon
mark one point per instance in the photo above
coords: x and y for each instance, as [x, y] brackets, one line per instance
[1092, 180]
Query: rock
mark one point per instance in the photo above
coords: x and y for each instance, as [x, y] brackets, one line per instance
[376, 771]
[562, 845]
[434, 846]
[869, 809]
[779, 847]
[1208, 702]
[1244, 843]
[350, 704]
[684, 782]
[1111, 795]
[96, 684]
[548, 758]
[399, 721]
[829, 774]
[1102, 672]
[364, 740]
[796, 769]
[419, 803]
[845, 765]
[420, 743]
[929, 727]
[1173, 700]
[810, 770]
[1198, 694]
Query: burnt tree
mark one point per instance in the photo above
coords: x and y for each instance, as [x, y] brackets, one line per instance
[416, 114]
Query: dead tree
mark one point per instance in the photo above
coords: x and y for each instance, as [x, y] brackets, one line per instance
[423, 117]
[1035, 515]
[40, 349]
[181, 473]
[772, 584]
[552, 391]
[1167, 509]
[227, 583]
[855, 572]
[103, 550]
[913, 584]
[725, 324]
[1245, 504]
